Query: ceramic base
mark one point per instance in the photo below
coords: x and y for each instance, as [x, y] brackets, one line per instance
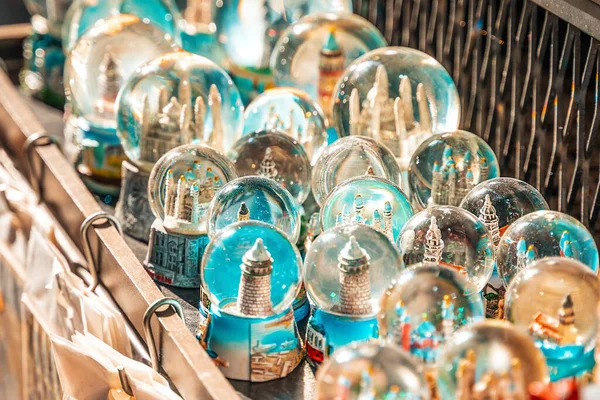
[133, 208]
[566, 361]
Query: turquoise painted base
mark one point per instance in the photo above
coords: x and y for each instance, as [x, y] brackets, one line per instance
[566, 361]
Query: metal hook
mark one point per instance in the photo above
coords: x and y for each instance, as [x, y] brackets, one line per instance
[148, 329]
[30, 143]
[85, 225]
[125, 385]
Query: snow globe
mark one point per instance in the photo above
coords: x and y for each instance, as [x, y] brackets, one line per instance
[291, 111]
[349, 157]
[555, 299]
[544, 234]
[199, 32]
[346, 271]
[181, 185]
[423, 308]
[446, 167]
[276, 156]
[371, 371]
[487, 358]
[95, 70]
[251, 273]
[369, 200]
[451, 237]
[312, 53]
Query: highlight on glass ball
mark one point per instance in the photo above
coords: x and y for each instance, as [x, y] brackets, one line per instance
[397, 95]
[374, 371]
[349, 157]
[423, 308]
[182, 184]
[312, 53]
[544, 234]
[555, 300]
[445, 168]
[254, 198]
[274, 155]
[369, 200]
[291, 111]
[176, 99]
[451, 237]
[486, 357]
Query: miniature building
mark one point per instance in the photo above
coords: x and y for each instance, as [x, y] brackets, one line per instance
[355, 291]
[525, 254]
[316, 343]
[401, 331]
[331, 67]
[109, 82]
[268, 168]
[562, 330]
[425, 340]
[447, 317]
[383, 225]
[243, 213]
[488, 216]
[434, 245]
[254, 297]
[451, 182]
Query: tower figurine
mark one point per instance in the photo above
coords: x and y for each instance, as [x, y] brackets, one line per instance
[268, 168]
[566, 319]
[355, 292]
[434, 245]
[243, 213]
[387, 220]
[109, 82]
[359, 207]
[216, 137]
[401, 333]
[450, 182]
[447, 317]
[255, 284]
[331, 67]
[488, 216]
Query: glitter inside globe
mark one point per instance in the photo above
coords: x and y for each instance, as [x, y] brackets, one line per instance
[175, 99]
[254, 198]
[291, 111]
[313, 53]
[378, 370]
[246, 251]
[488, 351]
[349, 157]
[275, 155]
[446, 167]
[453, 238]
[182, 184]
[509, 199]
[102, 61]
[347, 269]
[544, 234]
[368, 200]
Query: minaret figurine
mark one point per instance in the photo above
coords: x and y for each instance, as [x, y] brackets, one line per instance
[109, 83]
[331, 66]
[566, 319]
[387, 220]
[243, 213]
[355, 292]
[254, 297]
[434, 245]
[488, 216]
[268, 168]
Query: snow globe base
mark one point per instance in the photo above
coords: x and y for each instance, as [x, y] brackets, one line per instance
[174, 259]
[133, 208]
[301, 306]
[566, 361]
[326, 332]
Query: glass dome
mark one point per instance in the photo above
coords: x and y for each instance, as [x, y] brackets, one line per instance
[291, 111]
[368, 200]
[446, 167]
[102, 61]
[312, 53]
[371, 370]
[254, 198]
[175, 99]
[251, 265]
[453, 238]
[544, 234]
[274, 155]
[349, 157]
[489, 350]
[423, 308]
[182, 184]
[330, 264]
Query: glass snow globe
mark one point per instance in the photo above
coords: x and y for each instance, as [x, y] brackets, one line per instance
[423, 308]
[488, 356]
[275, 155]
[349, 157]
[368, 200]
[556, 300]
[446, 167]
[374, 371]
[544, 234]
[452, 237]
[291, 111]
[313, 53]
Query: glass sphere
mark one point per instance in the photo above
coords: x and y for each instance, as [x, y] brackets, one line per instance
[446, 167]
[368, 200]
[425, 305]
[544, 234]
[175, 99]
[371, 370]
[453, 238]
[509, 200]
[313, 53]
[291, 111]
[326, 267]
[102, 61]
[182, 184]
[489, 349]
[349, 157]
[243, 249]
[274, 155]
[254, 198]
